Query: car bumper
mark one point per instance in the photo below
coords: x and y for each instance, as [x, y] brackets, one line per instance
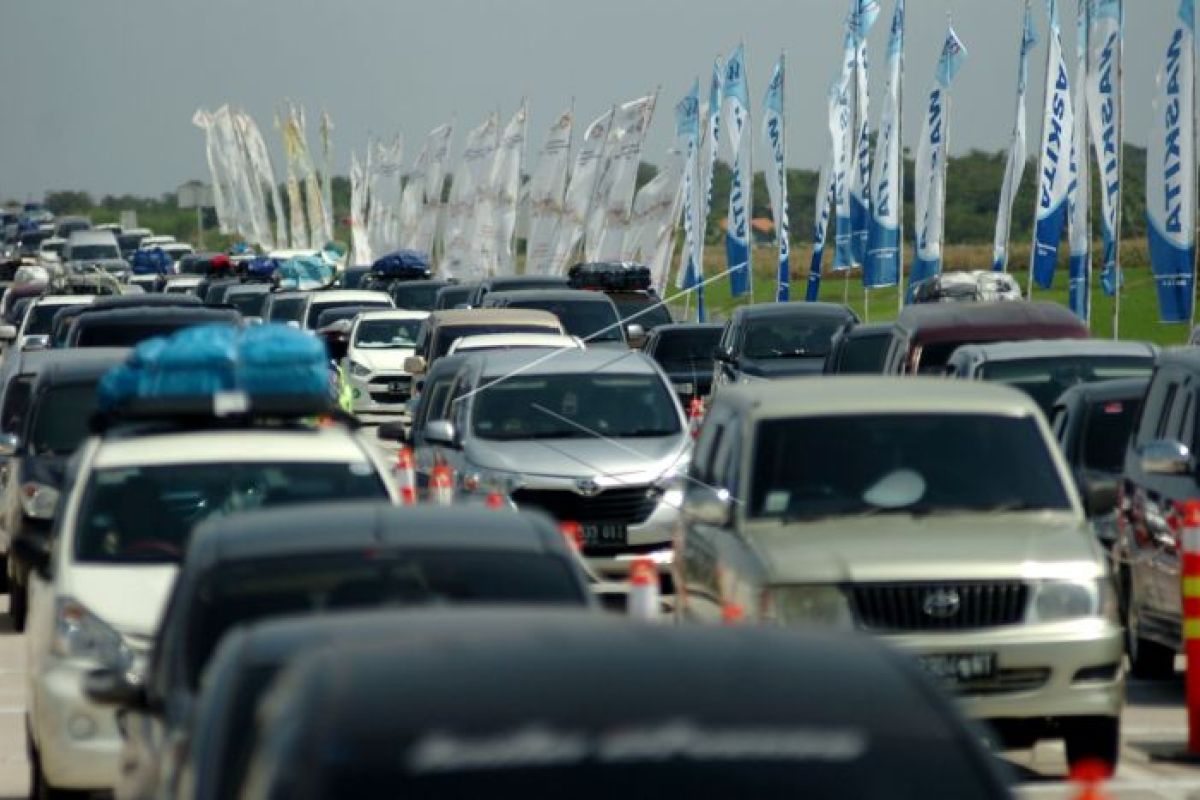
[1080, 662]
[651, 538]
[364, 403]
[78, 742]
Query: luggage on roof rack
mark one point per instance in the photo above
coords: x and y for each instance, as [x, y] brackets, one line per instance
[409, 265]
[609, 276]
[154, 261]
[261, 269]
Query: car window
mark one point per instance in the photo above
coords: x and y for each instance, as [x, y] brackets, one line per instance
[863, 355]
[286, 309]
[248, 304]
[315, 310]
[1182, 425]
[386, 334]
[1058, 424]
[417, 298]
[789, 338]
[1153, 408]
[1045, 379]
[1106, 432]
[589, 320]
[1164, 418]
[41, 317]
[59, 418]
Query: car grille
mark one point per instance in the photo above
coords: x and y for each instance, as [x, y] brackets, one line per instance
[624, 505]
[380, 388]
[900, 607]
[1027, 679]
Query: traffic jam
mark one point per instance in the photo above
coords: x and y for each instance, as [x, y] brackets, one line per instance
[276, 526]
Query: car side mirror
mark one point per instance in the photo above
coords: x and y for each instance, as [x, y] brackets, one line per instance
[708, 505]
[1100, 497]
[1166, 457]
[440, 432]
[636, 335]
[113, 687]
[415, 365]
[393, 432]
[9, 444]
[8, 333]
[33, 550]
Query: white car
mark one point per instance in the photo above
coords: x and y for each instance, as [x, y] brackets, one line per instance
[182, 284]
[98, 588]
[374, 366]
[514, 341]
[155, 241]
[177, 250]
[39, 317]
[316, 302]
[50, 251]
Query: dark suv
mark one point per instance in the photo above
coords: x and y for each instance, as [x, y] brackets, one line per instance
[1160, 473]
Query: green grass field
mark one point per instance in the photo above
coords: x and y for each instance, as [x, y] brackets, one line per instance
[1139, 305]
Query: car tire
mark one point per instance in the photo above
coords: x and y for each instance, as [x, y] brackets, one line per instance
[1148, 660]
[1092, 739]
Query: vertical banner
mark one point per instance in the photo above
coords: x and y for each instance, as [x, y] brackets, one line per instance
[1104, 119]
[614, 197]
[735, 103]
[882, 264]
[1171, 173]
[1014, 168]
[930, 184]
[706, 168]
[260, 157]
[577, 202]
[776, 177]
[297, 228]
[506, 180]
[438, 155]
[359, 242]
[546, 187]
[260, 221]
[412, 199]
[385, 173]
[479, 157]
[687, 133]
[1079, 194]
[204, 121]
[327, 174]
[653, 221]
[862, 18]
[1054, 173]
[824, 199]
[460, 252]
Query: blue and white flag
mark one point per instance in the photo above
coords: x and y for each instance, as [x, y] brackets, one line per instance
[930, 187]
[1104, 116]
[820, 227]
[1014, 169]
[841, 123]
[776, 178]
[1171, 174]
[707, 167]
[735, 102]
[1079, 220]
[1054, 168]
[862, 18]
[882, 264]
[687, 133]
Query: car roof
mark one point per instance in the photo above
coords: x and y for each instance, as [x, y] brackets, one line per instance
[557, 295]
[936, 321]
[518, 280]
[64, 300]
[398, 313]
[249, 288]
[1055, 348]
[837, 395]
[564, 362]
[121, 301]
[191, 314]
[796, 310]
[204, 446]
[331, 527]
[1186, 357]
[1099, 391]
[354, 295]
[483, 341]
[489, 316]
[72, 365]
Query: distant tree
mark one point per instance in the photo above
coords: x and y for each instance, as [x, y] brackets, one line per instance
[69, 202]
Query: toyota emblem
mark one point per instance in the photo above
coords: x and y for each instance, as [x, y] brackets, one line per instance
[587, 487]
[941, 603]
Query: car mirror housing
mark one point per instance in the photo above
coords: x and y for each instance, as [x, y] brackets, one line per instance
[636, 335]
[1166, 457]
[113, 687]
[414, 365]
[1100, 497]
[9, 444]
[440, 432]
[708, 505]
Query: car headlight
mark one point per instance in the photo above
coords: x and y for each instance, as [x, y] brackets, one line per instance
[485, 481]
[358, 370]
[78, 633]
[1057, 600]
[38, 501]
[824, 606]
[670, 485]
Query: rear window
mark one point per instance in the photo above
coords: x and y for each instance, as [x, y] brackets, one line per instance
[448, 335]
[60, 418]
[128, 334]
[1045, 379]
[416, 298]
[452, 296]
[864, 355]
[644, 310]
[687, 346]
[589, 320]
[248, 304]
[1106, 433]
[41, 318]
[315, 310]
[287, 309]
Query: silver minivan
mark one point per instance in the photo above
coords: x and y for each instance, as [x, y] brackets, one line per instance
[94, 248]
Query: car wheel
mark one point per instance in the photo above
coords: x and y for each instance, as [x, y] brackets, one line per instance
[1092, 739]
[1148, 659]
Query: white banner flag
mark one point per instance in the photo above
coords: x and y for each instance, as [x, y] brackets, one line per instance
[297, 225]
[653, 221]
[580, 191]
[506, 184]
[546, 188]
[776, 178]
[437, 147]
[260, 157]
[412, 199]
[1015, 166]
[614, 194]
[203, 120]
[359, 241]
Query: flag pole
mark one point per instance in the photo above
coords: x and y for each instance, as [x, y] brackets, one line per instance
[1116, 317]
[1083, 162]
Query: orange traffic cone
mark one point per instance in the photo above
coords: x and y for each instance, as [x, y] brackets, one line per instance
[695, 416]
[441, 485]
[406, 476]
[1090, 776]
[494, 500]
[732, 614]
[644, 593]
[573, 533]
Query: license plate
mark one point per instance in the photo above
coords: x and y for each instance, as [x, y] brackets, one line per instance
[685, 388]
[959, 667]
[604, 535]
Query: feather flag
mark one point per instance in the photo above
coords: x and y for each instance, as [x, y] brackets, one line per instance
[327, 174]
[841, 120]
[614, 192]
[1079, 218]
[735, 103]
[506, 184]
[882, 264]
[1014, 168]
[577, 203]
[359, 241]
[862, 19]
[1054, 173]
[546, 188]
[776, 177]
[824, 198]
[654, 219]
[437, 147]
[687, 132]
[706, 169]
[1104, 117]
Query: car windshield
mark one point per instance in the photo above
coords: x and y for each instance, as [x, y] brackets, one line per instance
[1106, 432]
[694, 347]
[248, 304]
[386, 334]
[129, 241]
[315, 310]
[415, 297]
[1045, 379]
[575, 406]
[449, 334]
[907, 463]
[864, 355]
[60, 418]
[452, 296]
[53, 247]
[145, 514]
[41, 317]
[94, 252]
[287, 309]
[641, 309]
[306, 584]
[587, 319]
[795, 337]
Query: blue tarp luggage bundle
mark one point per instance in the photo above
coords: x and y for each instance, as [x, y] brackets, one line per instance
[154, 261]
[261, 269]
[217, 370]
[609, 276]
[402, 265]
[305, 272]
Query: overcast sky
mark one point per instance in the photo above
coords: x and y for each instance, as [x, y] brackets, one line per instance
[99, 94]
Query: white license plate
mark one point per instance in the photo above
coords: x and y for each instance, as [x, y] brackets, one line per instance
[959, 667]
[685, 388]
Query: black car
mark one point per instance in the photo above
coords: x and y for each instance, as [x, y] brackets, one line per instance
[1092, 423]
[248, 298]
[65, 317]
[510, 283]
[417, 295]
[859, 349]
[777, 340]
[311, 560]
[453, 295]
[212, 291]
[60, 387]
[1159, 474]
[473, 703]
[126, 327]
[685, 352]
[351, 277]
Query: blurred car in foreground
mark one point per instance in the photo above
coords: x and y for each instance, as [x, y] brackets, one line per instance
[869, 504]
[426, 710]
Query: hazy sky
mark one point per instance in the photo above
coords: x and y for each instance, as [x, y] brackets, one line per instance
[99, 94]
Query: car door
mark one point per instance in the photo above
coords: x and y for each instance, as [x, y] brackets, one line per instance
[1181, 428]
[695, 564]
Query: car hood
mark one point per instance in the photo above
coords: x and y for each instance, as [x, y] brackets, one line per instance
[782, 367]
[610, 461]
[382, 360]
[130, 597]
[948, 547]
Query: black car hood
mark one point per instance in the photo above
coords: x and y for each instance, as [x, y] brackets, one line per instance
[782, 367]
